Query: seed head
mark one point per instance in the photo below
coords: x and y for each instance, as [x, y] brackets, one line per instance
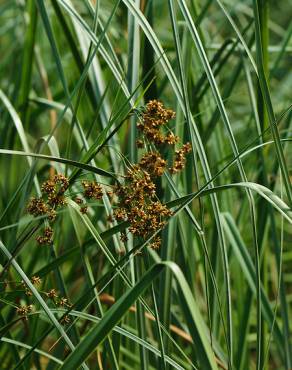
[153, 164]
[37, 207]
[24, 310]
[84, 210]
[180, 159]
[63, 302]
[36, 280]
[46, 238]
[52, 294]
[92, 190]
[155, 116]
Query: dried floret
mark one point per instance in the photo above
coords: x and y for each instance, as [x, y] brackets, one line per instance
[37, 207]
[24, 310]
[52, 294]
[36, 280]
[46, 238]
[155, 116]
[180, 159]
[92, 190]
[153, 164]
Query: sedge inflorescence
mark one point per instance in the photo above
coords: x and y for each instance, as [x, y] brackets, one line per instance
[53, 197]
[154, 117]
[138, 202]
[180, 158]
[136, 194]
[51, 296]
[92, 190]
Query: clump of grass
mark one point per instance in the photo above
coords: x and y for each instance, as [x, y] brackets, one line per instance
[145, 210]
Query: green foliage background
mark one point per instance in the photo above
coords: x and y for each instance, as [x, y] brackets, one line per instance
[217, 294]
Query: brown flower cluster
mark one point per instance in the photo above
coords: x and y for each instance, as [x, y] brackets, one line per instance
[153, 118]
[54, 189]
[46, 238]
[36, 280]
[180, 158]
[156, 243]
[153, 164]
[83, 208]
[138, 203]
[51, 295]
[53, 196]
[59, 302]
[37, 207]
[137, 200]
[92, 190]
[24, 310]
